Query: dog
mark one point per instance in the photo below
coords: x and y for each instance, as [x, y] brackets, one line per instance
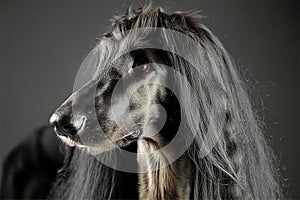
[164, 97]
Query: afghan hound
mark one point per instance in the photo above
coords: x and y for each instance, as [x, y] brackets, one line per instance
[163, 114]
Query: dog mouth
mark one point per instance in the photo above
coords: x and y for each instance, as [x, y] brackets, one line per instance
[132, 135]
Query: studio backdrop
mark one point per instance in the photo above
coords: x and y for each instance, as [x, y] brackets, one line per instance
[44, 42]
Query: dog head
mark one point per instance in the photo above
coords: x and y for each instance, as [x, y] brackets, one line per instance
[125, 98]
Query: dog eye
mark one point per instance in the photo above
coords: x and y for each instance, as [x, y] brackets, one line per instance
[140, 60]
[136, 66]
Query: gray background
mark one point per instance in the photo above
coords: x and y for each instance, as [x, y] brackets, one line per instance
[43, 43]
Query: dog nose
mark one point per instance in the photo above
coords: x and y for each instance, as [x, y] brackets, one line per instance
[63, 124]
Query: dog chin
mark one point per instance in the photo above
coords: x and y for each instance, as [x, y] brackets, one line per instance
[68, 141]
[71, 143]
[92, 150]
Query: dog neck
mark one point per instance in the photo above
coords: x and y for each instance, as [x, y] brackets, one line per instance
[170, 182]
